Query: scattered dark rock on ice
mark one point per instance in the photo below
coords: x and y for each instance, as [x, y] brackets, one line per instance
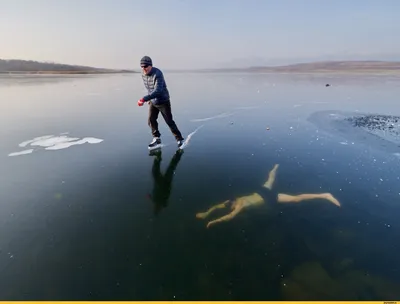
[377, 131]
[387, 123]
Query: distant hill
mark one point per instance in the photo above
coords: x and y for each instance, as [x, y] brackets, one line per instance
[362, 66]
[36, 67]
[320, 67]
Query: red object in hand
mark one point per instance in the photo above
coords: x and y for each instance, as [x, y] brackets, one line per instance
[140, 102]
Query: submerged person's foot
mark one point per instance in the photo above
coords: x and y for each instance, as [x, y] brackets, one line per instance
[331, 198]
[275, 168]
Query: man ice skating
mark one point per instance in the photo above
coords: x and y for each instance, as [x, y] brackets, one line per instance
[159, 101]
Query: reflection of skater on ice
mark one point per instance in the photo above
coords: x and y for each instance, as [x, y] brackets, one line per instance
[256, 199]
[163, 183]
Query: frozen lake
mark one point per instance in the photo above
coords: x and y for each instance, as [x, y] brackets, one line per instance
[85, 213]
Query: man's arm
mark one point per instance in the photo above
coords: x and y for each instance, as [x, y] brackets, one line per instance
[159, 84]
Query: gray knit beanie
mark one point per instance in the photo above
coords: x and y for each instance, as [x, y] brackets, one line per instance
[146, 60]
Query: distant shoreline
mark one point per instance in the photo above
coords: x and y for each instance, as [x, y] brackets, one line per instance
[315, 72]
[24, 67]
[216, 71]
[388, 68]
[64, 72]
[328, 67]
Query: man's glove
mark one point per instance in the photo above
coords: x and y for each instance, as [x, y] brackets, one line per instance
[140, 102]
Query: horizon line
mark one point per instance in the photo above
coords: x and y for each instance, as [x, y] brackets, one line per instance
[218, 68]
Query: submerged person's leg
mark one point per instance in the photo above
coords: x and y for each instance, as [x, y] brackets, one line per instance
[271, 177]
[286, 198]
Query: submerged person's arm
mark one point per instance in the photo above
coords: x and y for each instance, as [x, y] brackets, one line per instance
[225, 218]
[240, 203]
[203, 215]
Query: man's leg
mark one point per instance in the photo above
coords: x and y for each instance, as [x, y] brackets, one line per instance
[152, 121]
[166, 112]
[271, 177]
[285, 198]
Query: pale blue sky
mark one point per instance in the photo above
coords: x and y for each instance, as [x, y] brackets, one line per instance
[198, 33]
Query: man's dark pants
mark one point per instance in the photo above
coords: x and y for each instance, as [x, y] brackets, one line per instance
[165, 109]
